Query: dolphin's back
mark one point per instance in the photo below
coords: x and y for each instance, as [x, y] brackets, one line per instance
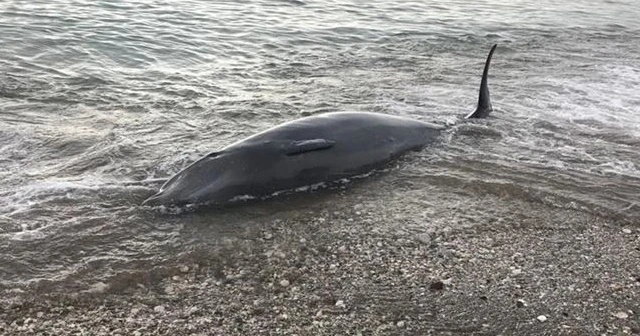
[327, 147]
[346, 128]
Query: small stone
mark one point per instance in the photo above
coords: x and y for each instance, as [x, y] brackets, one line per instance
[437, 285]
[175, 278]
[302, 240]
[520, 303]
[158, 309]
[379, 244]
[170, 290]
[39, 314]
[135, 311]
[268, 236]
[98, 287]
[284, 283]
[542, 318]
[319, 313]
[621, 315]
[340, 304]
[401, 324]
[280, 254]
[516, 271]
[627, 231]
[184, 269]
[616, 287]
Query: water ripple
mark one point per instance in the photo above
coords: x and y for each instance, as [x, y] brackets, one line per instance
[102, 100]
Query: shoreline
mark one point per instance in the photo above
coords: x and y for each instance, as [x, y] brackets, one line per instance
[345, 274]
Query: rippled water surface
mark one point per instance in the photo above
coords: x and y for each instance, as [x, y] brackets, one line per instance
[100, 101]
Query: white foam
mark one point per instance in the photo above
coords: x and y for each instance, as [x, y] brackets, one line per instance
[240, 198]
[27, 235]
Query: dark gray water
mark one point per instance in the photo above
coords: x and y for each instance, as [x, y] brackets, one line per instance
[101, 100]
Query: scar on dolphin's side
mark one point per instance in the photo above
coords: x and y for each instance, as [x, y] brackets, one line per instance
[320, 148]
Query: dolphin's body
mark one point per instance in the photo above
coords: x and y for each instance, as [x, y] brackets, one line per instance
[304, 152]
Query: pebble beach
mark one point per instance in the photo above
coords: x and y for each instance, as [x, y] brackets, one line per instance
[345, 274]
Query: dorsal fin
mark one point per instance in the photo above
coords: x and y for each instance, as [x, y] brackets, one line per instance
[303, 146]
[484, 101]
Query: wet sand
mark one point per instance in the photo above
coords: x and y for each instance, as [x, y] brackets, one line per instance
[359, 270]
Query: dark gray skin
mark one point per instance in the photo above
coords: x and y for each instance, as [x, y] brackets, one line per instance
[304, 152]
[321, 148]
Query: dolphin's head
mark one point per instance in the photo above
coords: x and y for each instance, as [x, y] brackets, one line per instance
[203, 181]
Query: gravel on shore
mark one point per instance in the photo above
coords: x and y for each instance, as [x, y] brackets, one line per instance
[342, 273]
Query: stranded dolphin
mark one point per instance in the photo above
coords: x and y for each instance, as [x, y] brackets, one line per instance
[321, 148]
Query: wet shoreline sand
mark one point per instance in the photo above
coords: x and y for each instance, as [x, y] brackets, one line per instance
[347, 272]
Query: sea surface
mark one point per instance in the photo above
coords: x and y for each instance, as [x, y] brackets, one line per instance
[101, 101]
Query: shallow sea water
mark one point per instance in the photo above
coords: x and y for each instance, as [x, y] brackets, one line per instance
[100, 101]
